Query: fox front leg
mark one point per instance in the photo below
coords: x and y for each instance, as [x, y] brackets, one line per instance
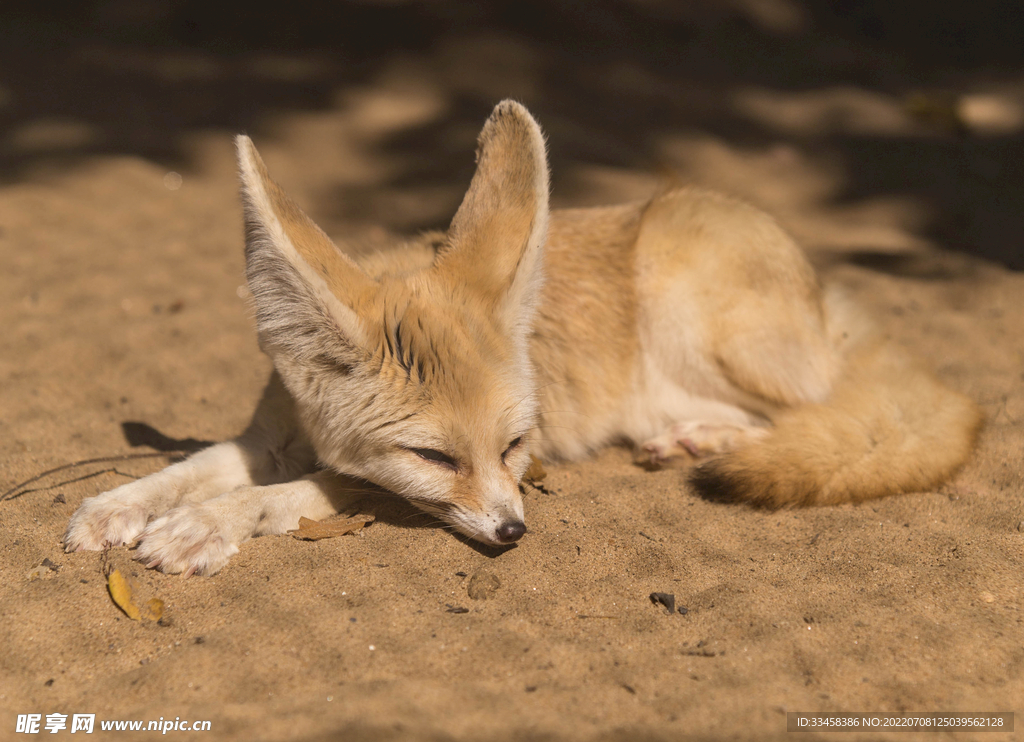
[200, 538]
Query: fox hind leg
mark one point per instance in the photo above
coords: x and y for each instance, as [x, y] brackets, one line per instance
[696, 439]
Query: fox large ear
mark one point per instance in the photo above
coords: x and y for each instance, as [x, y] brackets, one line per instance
[306, 291]
[497, 237]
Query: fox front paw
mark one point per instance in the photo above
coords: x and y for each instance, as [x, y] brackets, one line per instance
[101, 522]
[189, 539]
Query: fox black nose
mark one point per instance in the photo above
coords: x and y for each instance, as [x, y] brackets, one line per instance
[510, 531]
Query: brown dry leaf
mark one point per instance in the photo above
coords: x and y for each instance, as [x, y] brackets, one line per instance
[536, 473]
[314, 530]
[121, 593]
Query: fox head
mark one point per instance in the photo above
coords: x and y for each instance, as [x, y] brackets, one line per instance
[417, 380]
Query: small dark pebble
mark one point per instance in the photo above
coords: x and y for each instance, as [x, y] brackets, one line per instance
[49, 565]
[668, 600]
[84, 582]
[48, 683]
[683, 610]
[460, 574]
[456, 609]
[701, 650]
[59, 499]
[531, 688]
[629, 688]
[200, 640]
[353, 619]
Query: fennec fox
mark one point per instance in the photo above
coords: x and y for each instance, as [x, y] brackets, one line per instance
[690, 324]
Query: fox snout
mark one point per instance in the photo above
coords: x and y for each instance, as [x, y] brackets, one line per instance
[499, 525]
[510, 531]
[497, 521]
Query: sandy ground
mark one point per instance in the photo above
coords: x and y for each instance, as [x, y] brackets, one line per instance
[123, 301]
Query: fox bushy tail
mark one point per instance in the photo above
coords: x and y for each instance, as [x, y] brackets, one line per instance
[888, 427]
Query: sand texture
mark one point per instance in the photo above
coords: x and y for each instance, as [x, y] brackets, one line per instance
[127, 329]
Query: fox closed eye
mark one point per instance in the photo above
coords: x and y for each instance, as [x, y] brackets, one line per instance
[436, 457]
[511, 446]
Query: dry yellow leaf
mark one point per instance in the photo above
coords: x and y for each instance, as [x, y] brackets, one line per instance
[314, 530]
[121, 593]
[153, 610]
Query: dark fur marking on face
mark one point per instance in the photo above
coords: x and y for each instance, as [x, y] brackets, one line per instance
[399, 349]
[387, 339]
[400, 352]
[394, 422]
[328, 362]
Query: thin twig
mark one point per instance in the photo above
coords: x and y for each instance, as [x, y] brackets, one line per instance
[111, 470]
[13, 491]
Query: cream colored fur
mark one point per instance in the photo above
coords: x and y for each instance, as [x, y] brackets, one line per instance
[690, 324]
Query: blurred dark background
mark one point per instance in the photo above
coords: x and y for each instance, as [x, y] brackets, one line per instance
[606, 78]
